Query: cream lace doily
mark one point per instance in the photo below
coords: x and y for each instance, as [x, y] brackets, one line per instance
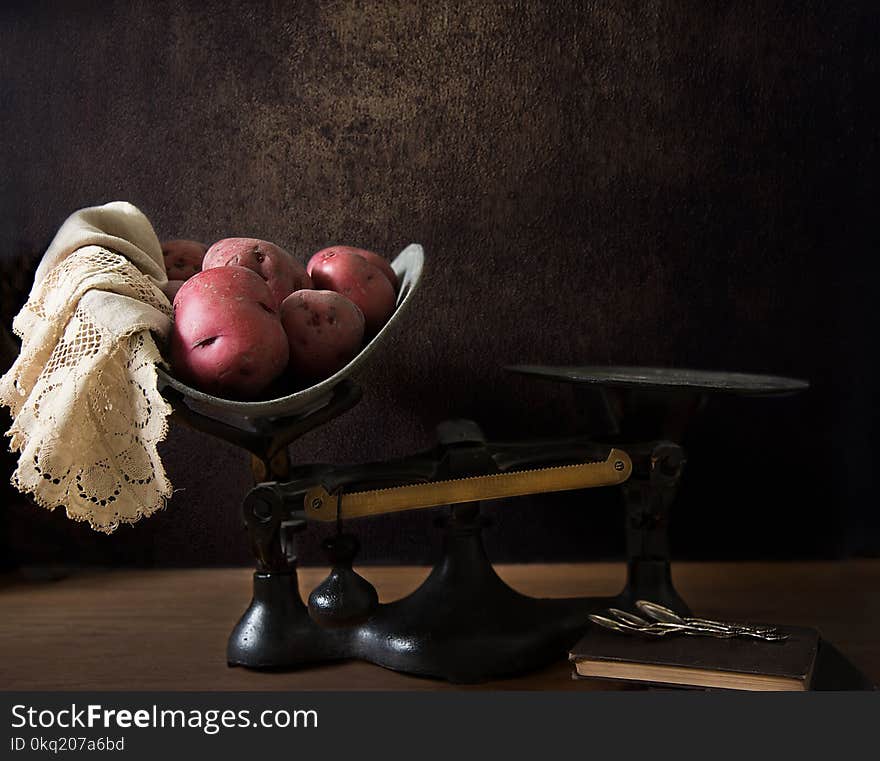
[87, 411]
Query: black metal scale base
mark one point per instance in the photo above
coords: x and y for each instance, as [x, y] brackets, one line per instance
[463, 624]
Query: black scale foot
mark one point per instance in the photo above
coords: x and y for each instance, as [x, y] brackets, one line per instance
[463, 624]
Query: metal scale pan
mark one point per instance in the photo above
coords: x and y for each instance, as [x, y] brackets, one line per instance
[300, 402]
[266, 427]
[644, 403]
[668, 379]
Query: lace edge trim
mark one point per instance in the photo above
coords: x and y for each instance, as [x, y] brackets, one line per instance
[162, 494]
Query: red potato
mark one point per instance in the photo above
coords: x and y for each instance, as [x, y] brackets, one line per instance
[358, 280]
[324, 331]
[183, 258]
[281, 271]
[227, 338]
[377, 261]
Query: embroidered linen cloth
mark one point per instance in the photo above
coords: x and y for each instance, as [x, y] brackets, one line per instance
[87, 411]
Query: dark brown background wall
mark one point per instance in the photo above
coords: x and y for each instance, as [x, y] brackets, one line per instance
[671, 183]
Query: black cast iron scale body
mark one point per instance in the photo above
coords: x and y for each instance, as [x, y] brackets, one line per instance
[464, 624]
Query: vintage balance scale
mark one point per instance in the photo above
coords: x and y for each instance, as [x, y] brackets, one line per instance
[464, 623]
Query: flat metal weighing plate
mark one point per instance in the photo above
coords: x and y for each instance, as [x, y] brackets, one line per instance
[672, 379]
[407, 264]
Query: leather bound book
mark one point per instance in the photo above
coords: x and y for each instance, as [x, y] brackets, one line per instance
[703, 662]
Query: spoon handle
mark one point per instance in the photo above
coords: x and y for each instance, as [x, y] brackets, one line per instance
[628, 618]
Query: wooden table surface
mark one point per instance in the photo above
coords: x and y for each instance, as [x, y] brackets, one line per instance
[167, 629]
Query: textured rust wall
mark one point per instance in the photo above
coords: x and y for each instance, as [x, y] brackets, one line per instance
[654, 183]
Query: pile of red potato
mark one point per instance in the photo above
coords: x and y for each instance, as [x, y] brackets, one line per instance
[248, 314]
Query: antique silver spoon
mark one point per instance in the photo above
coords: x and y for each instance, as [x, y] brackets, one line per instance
[659, 612]
[630, 623]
